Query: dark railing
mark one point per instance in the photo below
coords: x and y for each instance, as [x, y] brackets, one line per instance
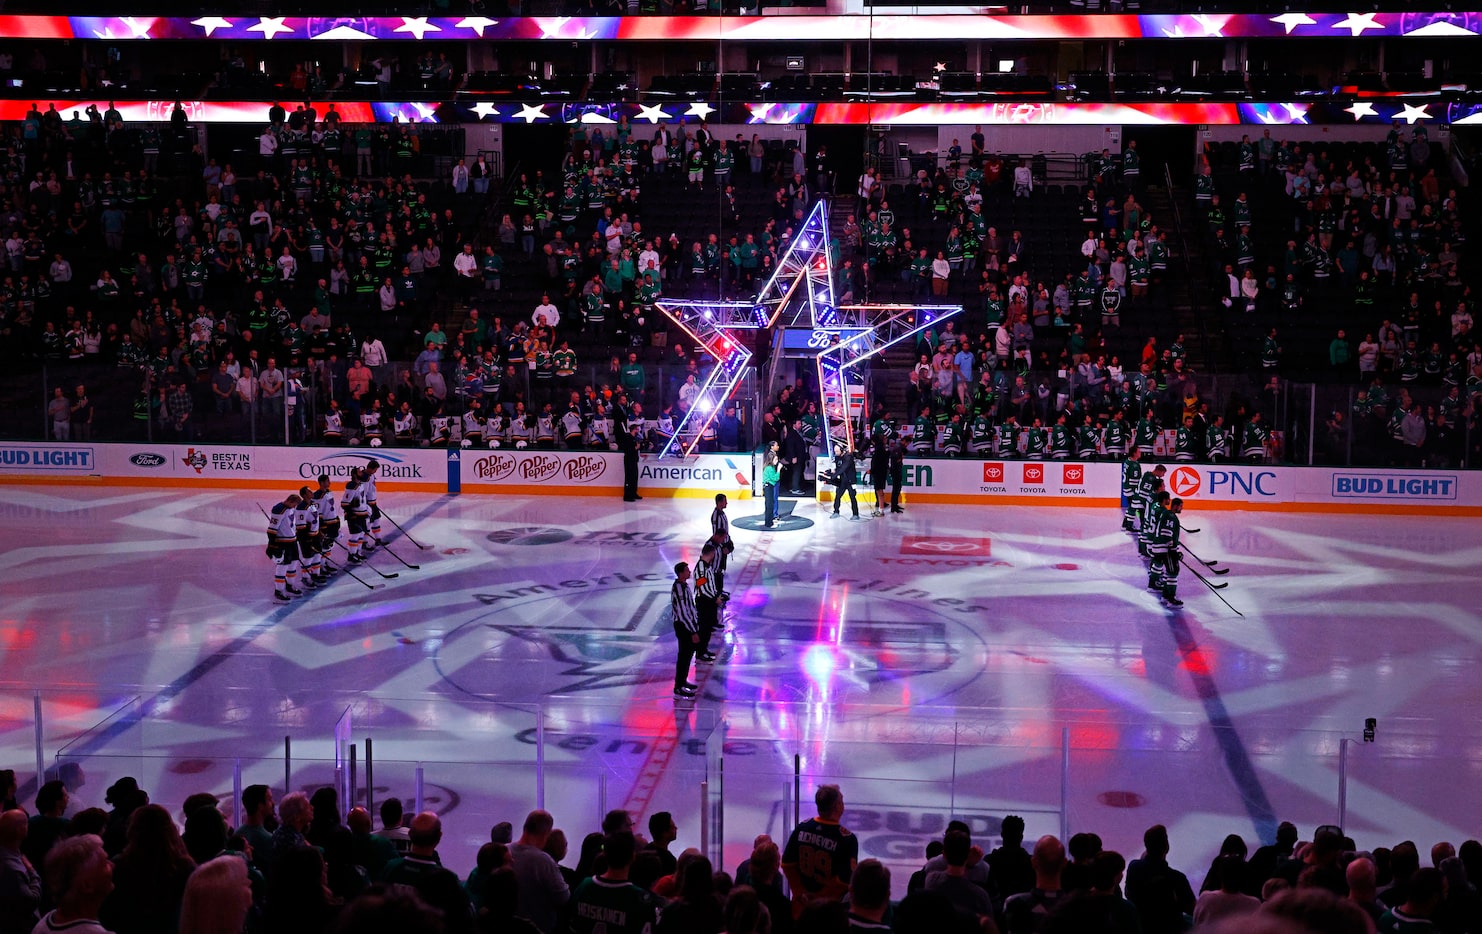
[1198, 306]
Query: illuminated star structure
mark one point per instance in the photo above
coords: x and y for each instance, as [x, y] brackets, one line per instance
[799, 302]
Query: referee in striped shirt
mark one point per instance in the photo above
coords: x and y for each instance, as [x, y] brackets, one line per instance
[708, 597]
[686, 629]
[720, 534]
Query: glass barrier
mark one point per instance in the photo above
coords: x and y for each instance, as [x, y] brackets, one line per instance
[131, 406]
[729, 773]
[135, 405]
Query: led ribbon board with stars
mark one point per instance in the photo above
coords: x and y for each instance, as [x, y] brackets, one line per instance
[903, 27]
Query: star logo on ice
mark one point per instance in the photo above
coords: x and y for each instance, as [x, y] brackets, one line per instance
[417, 26]
[1356, 23]
[270, 26]
[1292, 20]
[212, 23]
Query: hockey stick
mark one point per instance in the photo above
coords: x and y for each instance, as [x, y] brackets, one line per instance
[366, 563]
[398, 557]
[1213, 588]
[1195, 571]
[405, 534]
[1195, 531]
[339, 567]
[1208, 564]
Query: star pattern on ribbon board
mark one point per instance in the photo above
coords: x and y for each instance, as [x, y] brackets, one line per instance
[417, 26]
[1291, 21]
[799, 296]
[212, 23]
[1356, 23]
[476, 24]
[270, 26]
[1411, 113]
[531, 113]
[653, 113]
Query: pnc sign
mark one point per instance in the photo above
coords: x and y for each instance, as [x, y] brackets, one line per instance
[1184, 481]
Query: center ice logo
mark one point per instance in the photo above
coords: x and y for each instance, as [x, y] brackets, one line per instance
[1184, 481]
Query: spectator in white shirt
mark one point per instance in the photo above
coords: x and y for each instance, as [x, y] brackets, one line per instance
[1460, 318]
[373, 355]
[546, 313]
[648, 259]
[466, 268]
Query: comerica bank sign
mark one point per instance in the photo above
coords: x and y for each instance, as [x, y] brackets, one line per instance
[340, 465]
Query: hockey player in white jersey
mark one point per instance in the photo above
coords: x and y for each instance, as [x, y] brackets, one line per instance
[283, 548]
[306, 526]
[473, 422]
[329, 521]
[368, 475]
[357, 513]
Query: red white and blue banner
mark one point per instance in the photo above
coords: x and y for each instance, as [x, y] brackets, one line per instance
[1377, 111]
[832, 25]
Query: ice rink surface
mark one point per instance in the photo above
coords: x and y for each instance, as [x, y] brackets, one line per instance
[949, 661]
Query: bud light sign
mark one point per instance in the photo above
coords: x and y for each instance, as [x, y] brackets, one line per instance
[1418, 486]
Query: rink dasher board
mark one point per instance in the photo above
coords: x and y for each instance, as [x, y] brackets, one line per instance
[528, 472]
[545, 472]
[1246, 487]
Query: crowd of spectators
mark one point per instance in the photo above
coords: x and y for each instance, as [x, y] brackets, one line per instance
[303, 865]
[1348, 263]
[327, 293]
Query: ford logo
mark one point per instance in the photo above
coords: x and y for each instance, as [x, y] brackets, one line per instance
[148, 459]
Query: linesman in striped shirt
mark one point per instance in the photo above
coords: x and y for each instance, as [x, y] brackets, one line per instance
[686, 629]
[708, 598]
[720, 534]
